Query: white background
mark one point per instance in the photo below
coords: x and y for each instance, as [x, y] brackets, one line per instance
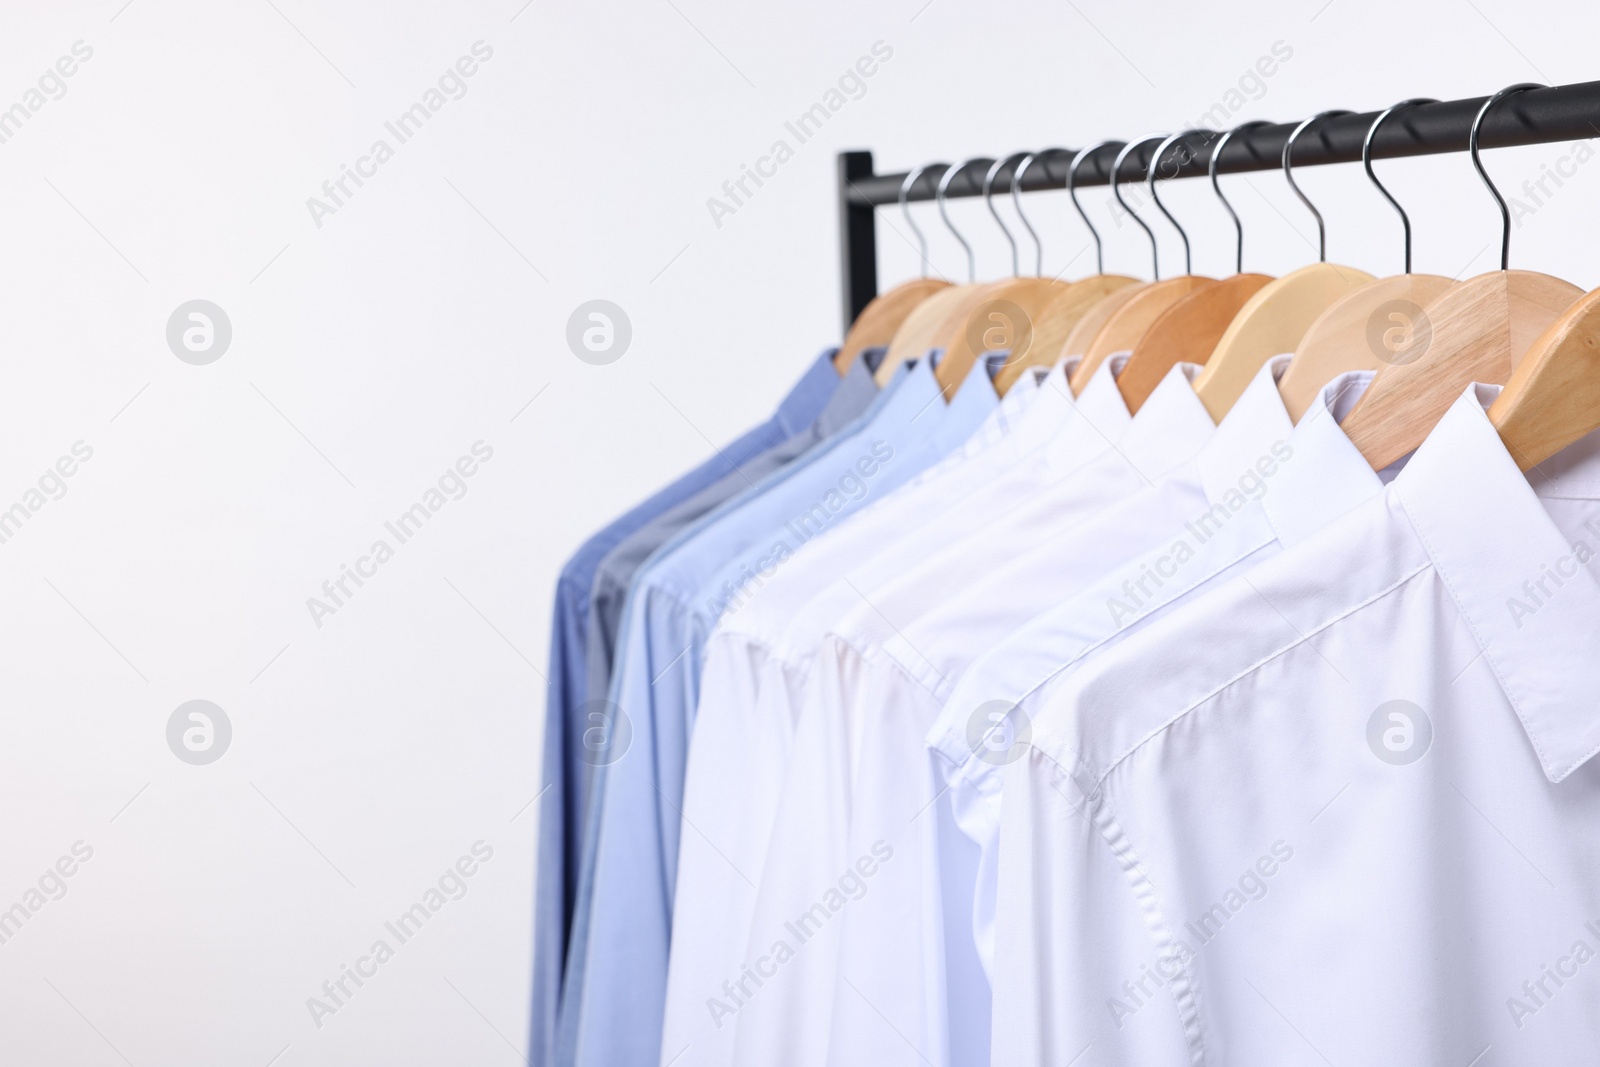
[425, 315]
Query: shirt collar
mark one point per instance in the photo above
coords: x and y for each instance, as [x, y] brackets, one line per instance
[1530, 602]
[809, 395]
[873, 357]
[1027, 382]
[915, 392]
[1101, 401]
[1247, 433]
[852, 396]
[1318, 474]
[1005, 418]
[954, 422]
[1051, 407]
[1170, 427]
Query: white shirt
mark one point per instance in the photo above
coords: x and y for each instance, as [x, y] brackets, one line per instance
[899, 800]
[810, 832]
[721, 849]
[1287, 493]
[1075, 431]
[1340, 809]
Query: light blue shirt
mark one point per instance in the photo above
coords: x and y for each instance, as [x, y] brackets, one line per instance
[616, 982]
[567, 692]
[614, 576]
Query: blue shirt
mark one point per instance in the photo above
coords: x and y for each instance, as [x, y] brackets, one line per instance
[615, 574]
[616, 982]
[567, 691]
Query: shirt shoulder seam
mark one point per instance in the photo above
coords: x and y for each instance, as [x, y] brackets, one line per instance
[1101, 776]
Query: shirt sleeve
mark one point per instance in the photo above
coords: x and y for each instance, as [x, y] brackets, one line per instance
[719, 857]
[559, 819]
[621, 982]
[804, 882]
[910, 991]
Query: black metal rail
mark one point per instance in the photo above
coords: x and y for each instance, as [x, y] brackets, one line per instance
[1536, 116]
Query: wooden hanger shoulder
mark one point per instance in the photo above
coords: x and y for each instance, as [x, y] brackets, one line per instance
[1368, 328]
[1271, 323]
[1002, 319]
[1124, 326]
[1185, 333]
[1054, 324]
[920, 330]
[1553, 396]
[883, 315]
[1088, 327]
[1478, 329]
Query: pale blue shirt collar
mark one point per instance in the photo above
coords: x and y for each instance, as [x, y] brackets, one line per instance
[805, 401]
[975, 398]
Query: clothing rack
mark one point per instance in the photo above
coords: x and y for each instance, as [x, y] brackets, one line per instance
[1536, 116]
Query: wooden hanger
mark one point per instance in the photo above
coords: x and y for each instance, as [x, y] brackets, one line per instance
[1064, 305]
[1081, 337]
[1053, 328]
[1003, 319]
[1478, 330]
[1057, 323]
[882, 317]
[1366, 329]
[1553, 396]
[1276, 318]
[922, 328]
[1189, 329]
[1185, 333]
[1127, 323]
[1373, 325]
[1272, 322]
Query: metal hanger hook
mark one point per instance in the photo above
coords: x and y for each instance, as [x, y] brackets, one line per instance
[988, 200]
[1072, 191]
[1216, 187]
[938, 198]
[905, 210]
[1155, 256]
[1150, 182]
[1016, 202]
[1288, 172]
[1472, 147]
[1366, 161]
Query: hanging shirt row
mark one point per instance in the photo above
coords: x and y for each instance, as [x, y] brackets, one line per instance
[1101, 704]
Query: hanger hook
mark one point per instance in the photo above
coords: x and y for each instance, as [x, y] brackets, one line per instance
[988, 200]
[1288, 172]
[1366, 161]
[905, 210]
[1072, 191]
[1216, 187]
[938, 197]
[1155, 258]
[1472, 146]
[1150, 182]
[1016, 202]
